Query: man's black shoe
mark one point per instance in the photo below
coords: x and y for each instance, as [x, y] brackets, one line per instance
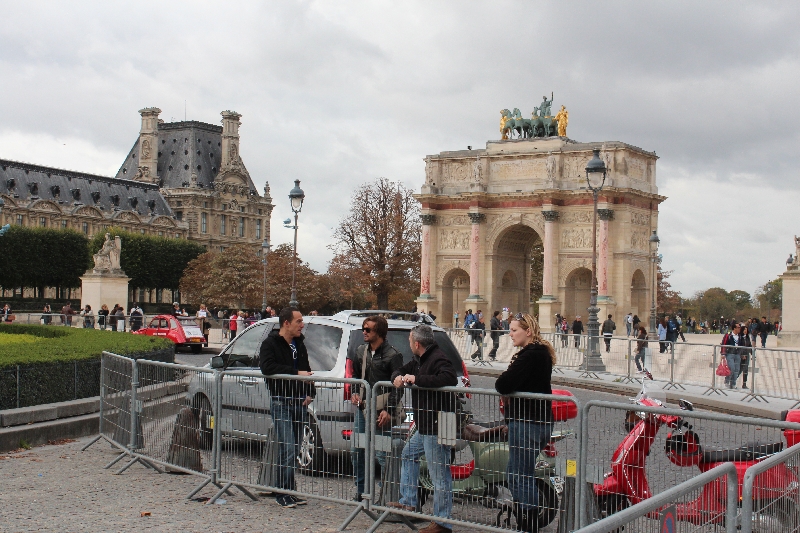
[284, 500]
[299, 501]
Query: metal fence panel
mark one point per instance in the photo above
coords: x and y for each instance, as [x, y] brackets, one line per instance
[271, 441]
[771, 494]
[626, 459]
[115, 398]
[701, 503]
[470, 462]
[776, 373]
[173, 410]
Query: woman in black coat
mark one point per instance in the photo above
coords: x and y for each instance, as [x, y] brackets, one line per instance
[530, 421]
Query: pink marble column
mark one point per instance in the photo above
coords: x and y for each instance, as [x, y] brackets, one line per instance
[605, 216]
[425, 267]
[474, 255]
[550, 218]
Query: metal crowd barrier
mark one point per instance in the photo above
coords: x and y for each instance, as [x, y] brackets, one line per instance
[771, 493]
[775, 373]
[278, 445]
[712, 437]
[663, 511]
[460, 464]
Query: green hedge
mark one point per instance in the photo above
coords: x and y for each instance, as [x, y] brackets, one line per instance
[65, 363]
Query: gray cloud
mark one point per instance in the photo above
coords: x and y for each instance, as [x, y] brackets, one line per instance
[337, 93]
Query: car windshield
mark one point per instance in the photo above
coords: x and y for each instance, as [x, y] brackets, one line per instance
[322, 343]
[398, 338]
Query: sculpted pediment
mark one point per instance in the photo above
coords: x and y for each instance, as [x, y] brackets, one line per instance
[44, 205]
[164, 221]
[126, 216]
[10, 202]
[89, 211]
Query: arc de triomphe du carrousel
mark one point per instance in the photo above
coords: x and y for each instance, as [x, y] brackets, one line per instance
[511, 225]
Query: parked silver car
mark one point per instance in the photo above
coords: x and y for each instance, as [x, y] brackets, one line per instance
[329, 340]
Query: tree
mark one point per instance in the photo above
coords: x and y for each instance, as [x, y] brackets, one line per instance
[380, 236]
[348, 285]
[234, 278]
[43, 257]
[715, 303]
[669, 300]
[769, 297]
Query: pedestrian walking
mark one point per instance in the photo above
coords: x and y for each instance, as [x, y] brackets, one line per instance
[608, 331]
[455, 320]
[284, 352]
[478, 333]
[577, 330]
[746, 352]
[137, 317]
[375, 360]
[120, 318]
[563, 327]
[66, 314]
[530, 422]
[763, 331]
[429, 368]
[233, 324]
[662, 335]
[203, 321]
[112, 317]
[102, 317]
[629, 325]
[494, 328]
[679, 333]
[635, 322]
[733, 354]
[641, 349]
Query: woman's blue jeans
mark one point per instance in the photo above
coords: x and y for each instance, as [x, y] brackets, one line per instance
[525, 441]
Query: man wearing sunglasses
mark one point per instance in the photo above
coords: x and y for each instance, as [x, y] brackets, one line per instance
[374, 361]
[283, 352]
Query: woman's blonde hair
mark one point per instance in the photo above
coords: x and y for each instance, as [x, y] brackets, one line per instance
[528, 323]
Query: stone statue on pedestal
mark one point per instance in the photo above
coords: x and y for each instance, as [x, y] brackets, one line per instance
[107, 259]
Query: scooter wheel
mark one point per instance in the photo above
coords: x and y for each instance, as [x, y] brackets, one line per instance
[547, 503]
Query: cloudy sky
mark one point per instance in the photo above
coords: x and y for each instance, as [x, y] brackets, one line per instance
[338, 93]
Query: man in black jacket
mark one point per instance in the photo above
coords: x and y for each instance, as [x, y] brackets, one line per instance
[495, 326]
[375, 360]
[430, 368]
[283, 352]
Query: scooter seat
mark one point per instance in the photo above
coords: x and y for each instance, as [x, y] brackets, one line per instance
[751, 451]
[475, 433]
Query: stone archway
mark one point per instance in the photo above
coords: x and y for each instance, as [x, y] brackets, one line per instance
[512, 259]
[577, 293]
[639, 304]
[455, 289]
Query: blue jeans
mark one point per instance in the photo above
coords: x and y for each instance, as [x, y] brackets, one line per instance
[288, 417]
[734, 363]
[525, 442]
[357, 454]
[438, 459]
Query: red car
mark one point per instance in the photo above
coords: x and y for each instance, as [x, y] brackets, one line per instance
[183, 331]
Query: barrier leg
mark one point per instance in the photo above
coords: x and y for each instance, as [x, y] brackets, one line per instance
[221, 491]
[672, 384]
[200, 487]
[115, 461]
[713, 388]
[753, 394]
[97, 438]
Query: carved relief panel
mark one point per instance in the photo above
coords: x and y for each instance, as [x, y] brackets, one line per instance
[451, 239]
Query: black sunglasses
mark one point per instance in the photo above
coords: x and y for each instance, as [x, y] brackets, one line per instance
[366, 330]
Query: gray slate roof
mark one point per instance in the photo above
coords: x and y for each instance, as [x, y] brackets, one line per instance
[183, 148]
[26, 183]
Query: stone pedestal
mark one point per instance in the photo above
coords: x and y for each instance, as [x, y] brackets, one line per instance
[106, 288]
[548, 307]
[790, 315]
[607, 307]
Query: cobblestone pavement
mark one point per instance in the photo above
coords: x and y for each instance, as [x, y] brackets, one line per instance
[58, 488]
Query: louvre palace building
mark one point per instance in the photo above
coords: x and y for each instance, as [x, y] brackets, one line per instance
[179, 180]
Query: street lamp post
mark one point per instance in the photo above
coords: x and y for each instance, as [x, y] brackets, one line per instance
[595, 179]
[296, 196]
[265, 246]
[654, 242]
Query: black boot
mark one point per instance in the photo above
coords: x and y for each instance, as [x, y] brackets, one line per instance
[527, 521]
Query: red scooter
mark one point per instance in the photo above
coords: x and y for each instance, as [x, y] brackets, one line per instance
[626, 483]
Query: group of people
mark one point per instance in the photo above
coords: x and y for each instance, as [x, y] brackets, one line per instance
[529, 422]
[234, 322]
[476, 324]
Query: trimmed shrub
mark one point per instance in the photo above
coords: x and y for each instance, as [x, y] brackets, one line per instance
[65, 362]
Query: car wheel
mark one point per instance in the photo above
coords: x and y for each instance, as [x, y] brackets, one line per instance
[202, 411]
[311, 456]
[197, 348]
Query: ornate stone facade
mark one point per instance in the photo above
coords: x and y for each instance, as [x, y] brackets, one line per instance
[492, 207]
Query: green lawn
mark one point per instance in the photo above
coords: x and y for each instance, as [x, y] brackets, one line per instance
[24, 344]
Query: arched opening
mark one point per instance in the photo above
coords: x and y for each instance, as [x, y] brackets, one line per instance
[517, 265]
[455, 289]
[578, 292]
[511, 292]
[639, 294]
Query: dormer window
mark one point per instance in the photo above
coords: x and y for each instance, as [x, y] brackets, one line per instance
[115, 199]
[96, 196]
[55, 190]
[133, 201]
[76, 194]
[33, 187]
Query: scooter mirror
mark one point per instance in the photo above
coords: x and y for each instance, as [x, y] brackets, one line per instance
[685, 405]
